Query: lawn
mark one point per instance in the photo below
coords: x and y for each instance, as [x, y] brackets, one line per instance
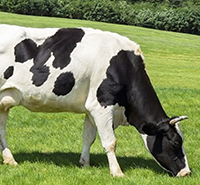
[47, 146]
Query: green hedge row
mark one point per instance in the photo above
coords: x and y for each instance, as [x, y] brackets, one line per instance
[182, 19]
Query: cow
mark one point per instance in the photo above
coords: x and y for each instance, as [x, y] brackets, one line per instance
[85, 70]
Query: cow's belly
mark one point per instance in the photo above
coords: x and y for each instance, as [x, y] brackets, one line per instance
[48, 102]
[43, 99]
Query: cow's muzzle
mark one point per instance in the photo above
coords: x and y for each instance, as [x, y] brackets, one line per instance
[183, 172]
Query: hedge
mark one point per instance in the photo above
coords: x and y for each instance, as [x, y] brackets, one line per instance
[180, 19]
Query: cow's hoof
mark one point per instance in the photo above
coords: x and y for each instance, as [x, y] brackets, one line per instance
[10, 161]
[117, 174]
[8, 157]
[83, 163]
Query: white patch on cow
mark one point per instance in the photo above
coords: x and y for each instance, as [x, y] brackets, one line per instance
[39, 34]
[119, 117]
[9, 36]
[186, 170]
[144, 137]
[53, 71]
[178, 129]
[19, 80]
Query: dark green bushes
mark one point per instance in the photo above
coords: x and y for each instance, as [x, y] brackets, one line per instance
[31, 7]
[103, 10]
[180, 16]
[180, 20]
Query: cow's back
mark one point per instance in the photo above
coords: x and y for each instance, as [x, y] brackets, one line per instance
[58, 86]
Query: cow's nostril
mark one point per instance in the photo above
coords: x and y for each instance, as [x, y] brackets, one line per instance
[187, 174]
[183, 173]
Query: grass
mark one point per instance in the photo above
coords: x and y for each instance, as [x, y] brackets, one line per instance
[48, 146]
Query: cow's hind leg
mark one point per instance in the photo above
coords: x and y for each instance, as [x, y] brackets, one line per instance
[89, 135]
[6, 153]
[8, 99]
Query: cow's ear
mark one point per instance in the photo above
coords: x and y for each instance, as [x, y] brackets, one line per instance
[150, 129]
[153, 129]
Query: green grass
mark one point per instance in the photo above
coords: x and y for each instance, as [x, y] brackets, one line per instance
[48, 146]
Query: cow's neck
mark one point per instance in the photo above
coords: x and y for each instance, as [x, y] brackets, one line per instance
[144, 112]
[128, 84]
[143, 105]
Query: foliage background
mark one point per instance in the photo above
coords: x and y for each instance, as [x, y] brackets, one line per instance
[171, 15]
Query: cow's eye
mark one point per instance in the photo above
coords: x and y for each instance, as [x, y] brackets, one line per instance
[176, 144]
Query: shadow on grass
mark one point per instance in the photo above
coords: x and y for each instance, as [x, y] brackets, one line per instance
[97, 160]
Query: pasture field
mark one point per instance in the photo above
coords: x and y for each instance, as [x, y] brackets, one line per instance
[48, 146]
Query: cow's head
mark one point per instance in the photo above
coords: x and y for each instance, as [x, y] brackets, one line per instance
[165, 142]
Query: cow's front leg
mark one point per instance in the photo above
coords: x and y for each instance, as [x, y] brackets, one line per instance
[109, 143]
[89, 135]
[104, 122]
[6, 153]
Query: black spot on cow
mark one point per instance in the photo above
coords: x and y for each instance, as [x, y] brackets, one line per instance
[113, 89]
[60, 46]
[64, 84]
[25, 50]
[39, 69]
[40, 75]
[8, 72]
[63, 43]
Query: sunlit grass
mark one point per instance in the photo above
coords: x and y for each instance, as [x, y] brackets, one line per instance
[47, 146]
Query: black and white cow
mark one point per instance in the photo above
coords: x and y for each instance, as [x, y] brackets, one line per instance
[89, 71]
